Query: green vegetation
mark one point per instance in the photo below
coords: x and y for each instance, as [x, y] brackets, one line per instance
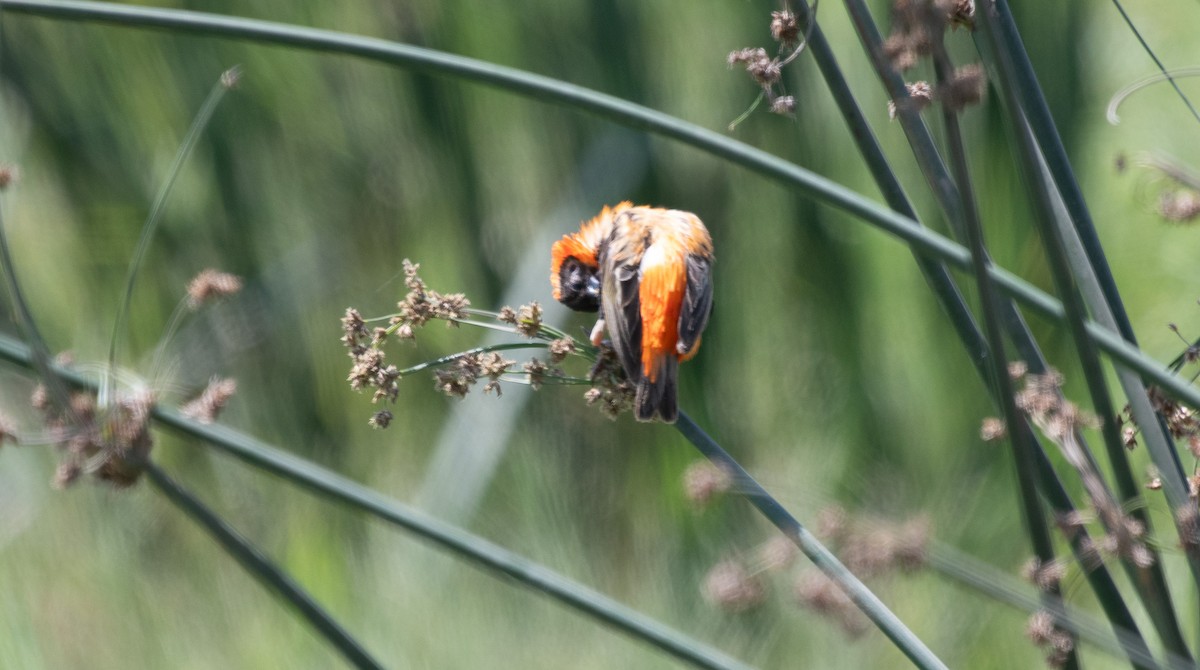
[851, 381]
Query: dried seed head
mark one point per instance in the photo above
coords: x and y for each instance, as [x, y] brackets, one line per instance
[1045, 576]
[8, 176]
[784, 104]
[897, 50]
[611, 390]
[451, 383]
[210, 285]
[231, 77]
[529, 320]
[1187, 519]
[761, 67]
[1017, 370]
[1045, 633]
[785, 28]
[966, 87]
[732, 588]
[67, 473]
[819, 593]
[507, 315]
[992, 429]
[493, 365]
[704, 480]
[831, 523]
[1180, 206]
[450, 306]
[380, 420]
[1129, 437]
[8, 431]
[561, 348]
[538, 371]
[959, 13]
[777, 553]
[920, 95]
[208, 405]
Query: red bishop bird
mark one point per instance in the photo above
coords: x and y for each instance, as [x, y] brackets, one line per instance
[649, 272]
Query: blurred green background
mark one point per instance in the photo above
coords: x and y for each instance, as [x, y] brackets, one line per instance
[828, 367]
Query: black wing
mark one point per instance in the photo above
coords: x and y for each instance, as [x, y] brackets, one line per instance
[697, 303]
[623, 317]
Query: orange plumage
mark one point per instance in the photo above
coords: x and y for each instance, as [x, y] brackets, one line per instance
[648, 270]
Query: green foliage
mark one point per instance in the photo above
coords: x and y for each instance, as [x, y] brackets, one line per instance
[829, 369]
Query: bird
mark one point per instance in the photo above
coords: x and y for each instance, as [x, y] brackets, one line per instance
[648, 271]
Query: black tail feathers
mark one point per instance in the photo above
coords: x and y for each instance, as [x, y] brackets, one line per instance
[657, 398]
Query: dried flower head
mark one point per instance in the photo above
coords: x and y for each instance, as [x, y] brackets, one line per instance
[761, 67]
[8, 431]
[231, 77]
[785, 28]
[959, 13]
[1179, 206]
[783, 104]
[380, 420]
[611, 390]
[1045, 576]
[561, 348]
[529, 320]
[992, 429]
[1045, 633]
[8, 176]
[507, 315]
[208, 405]
[920, 96]
[538, 371]
[731, 587]
[704, 480]
[777, 553]
[822, 595]
[110, 443]
[210, 285]
[1187, 519]
[832, 523]
[966, 87]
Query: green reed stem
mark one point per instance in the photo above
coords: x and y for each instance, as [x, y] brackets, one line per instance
[769, 507]
[199, 123]
[480, 552]
[1016, 89]
[260, 567]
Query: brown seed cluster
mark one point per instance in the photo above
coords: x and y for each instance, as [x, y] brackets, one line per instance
[731, 587]
[1042, 400]
[1045, 575]
[1046, 634]
[467, 368]
[611, 390]
[456, 374]
[207, 406]
[704, 480]
[869, 548]
[918, 27]
[8, 176]
[767, 70]
[211, 285]
[992, 429]
[111, 443]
